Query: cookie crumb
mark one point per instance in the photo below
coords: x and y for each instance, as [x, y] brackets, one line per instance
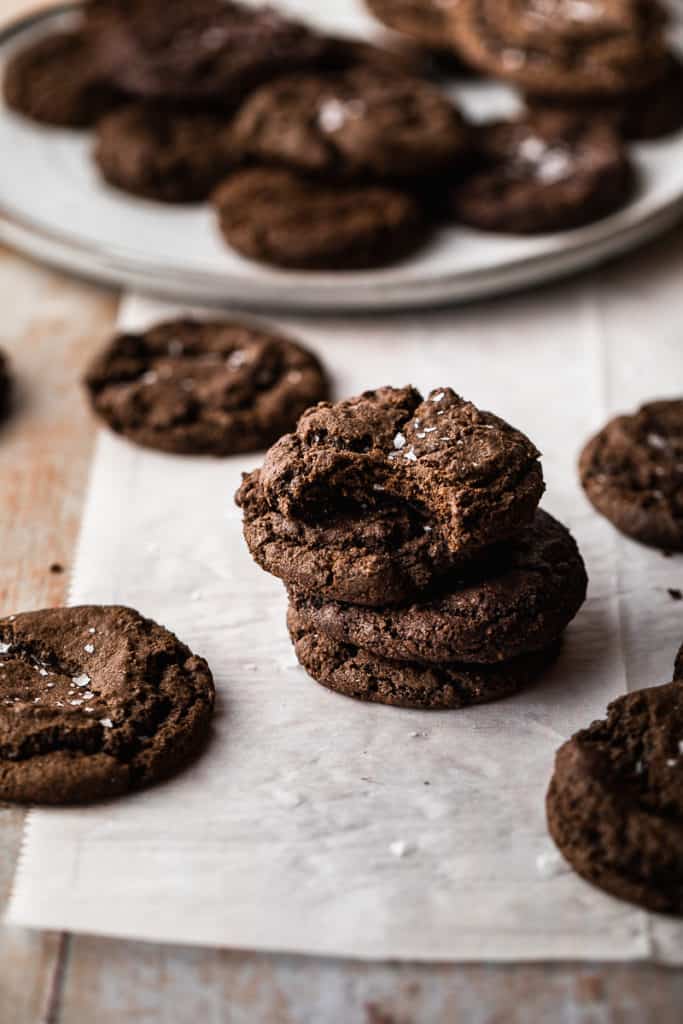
[675, 594]
[57, 568]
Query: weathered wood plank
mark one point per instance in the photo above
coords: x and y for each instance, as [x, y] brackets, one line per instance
[49, 326]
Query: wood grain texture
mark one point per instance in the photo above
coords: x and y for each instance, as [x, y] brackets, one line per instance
[49, 327]
[50, 324]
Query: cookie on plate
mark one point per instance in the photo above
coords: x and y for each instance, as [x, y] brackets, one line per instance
[208, 50]
[94, 702]
[343, 53]
[615, 803]
[214, 388]
[362, 124]
[549, 172]
[632, 472]
[564, 48]
[166, 154]
[647, 113]
[366, 676]
[516, 599]
[275, 216]
[57, 81]
[423, 485]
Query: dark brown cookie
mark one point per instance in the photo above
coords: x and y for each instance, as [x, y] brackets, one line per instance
[94, 702]
[562, 47]
[373, 498]
[57, 81]
[214, 388]
[647, 113]
[551, 172]
[172, 155]
[362, 124]
[5, 386]
[198, 49]
[276, 216]
[515, 600]
[615, 803]
[472, 477]
[372, 558]
[344, 53]
[356, 673]
[632, 472]
[424, 21]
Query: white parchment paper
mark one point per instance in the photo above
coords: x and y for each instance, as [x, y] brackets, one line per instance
[317, 824]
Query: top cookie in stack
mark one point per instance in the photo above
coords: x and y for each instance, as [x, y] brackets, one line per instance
[595, 57]
[419, 570]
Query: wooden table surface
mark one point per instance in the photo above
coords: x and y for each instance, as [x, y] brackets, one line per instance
[50, 324]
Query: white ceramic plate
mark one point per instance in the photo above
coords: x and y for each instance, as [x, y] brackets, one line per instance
[54, 207]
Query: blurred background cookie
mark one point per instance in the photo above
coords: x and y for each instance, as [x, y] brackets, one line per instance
[632, 472]
[546, 173]
[208, 387]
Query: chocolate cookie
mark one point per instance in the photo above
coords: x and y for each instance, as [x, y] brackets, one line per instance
[5, 386]
[94, 702]
[214, 388]
[545, 173]
[57, 81]
[356, 673]
[374, 497]
[562, 47]
[198, 49]
[276, 216]
[647, 113]
[615, 803]
[516, 599]
[632, 472]
[172, 155]
[362, 124]
[372, 558]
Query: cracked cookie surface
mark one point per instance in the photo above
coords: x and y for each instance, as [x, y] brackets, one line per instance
[95, 701]
[615, 803]
[632, 472]
[515, 599]
[473, 477]
[204, 387]
[357, 673]
[5, 386]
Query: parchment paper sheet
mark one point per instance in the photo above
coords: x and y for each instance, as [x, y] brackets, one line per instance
[283, 835]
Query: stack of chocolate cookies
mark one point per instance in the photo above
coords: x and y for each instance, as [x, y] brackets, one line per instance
[420, 571]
